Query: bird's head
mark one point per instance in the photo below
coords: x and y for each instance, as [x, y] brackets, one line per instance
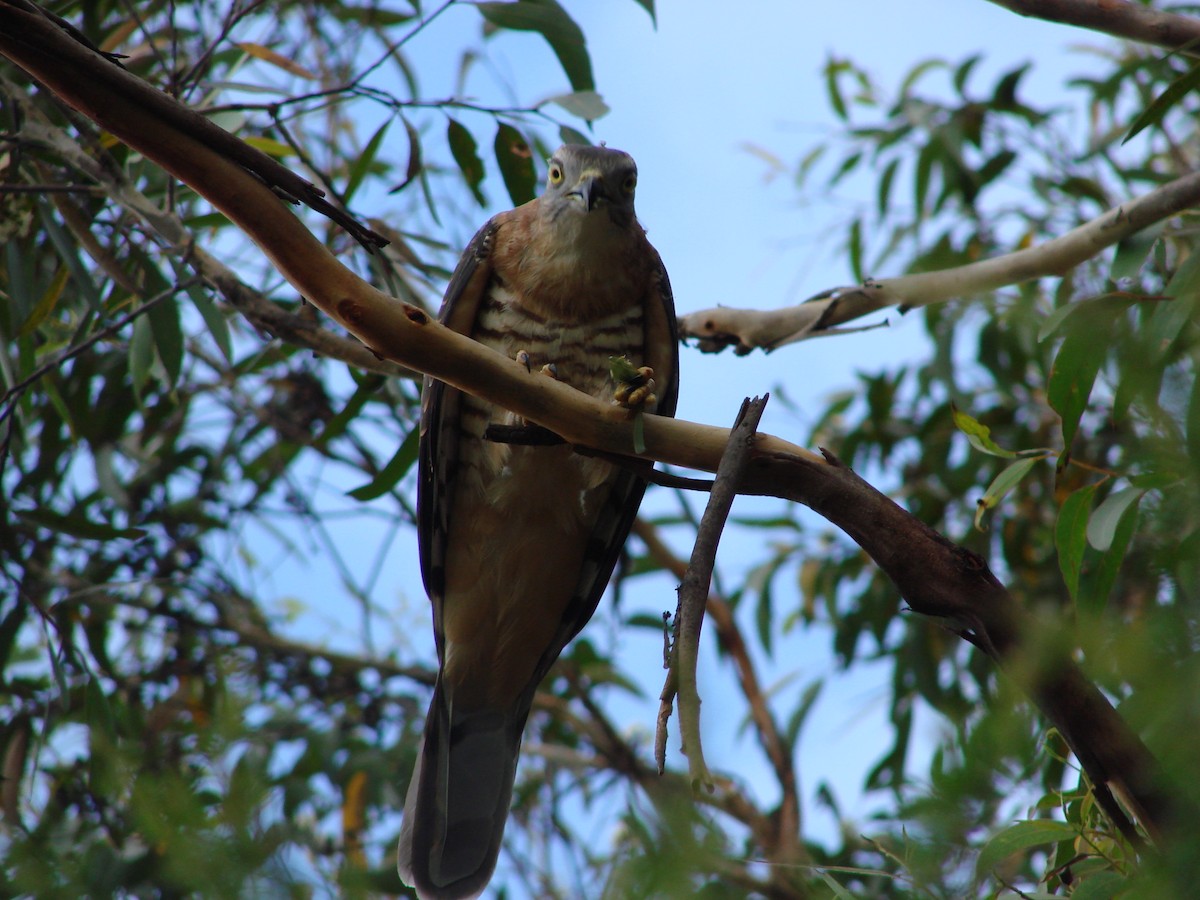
[587, 181]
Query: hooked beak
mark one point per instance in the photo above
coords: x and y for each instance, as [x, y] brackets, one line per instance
[590, 189]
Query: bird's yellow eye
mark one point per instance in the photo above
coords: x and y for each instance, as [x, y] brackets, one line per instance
[556, 175]
[629, 184]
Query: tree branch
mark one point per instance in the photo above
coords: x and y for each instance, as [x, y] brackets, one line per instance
[748, 329]
[1119, 18]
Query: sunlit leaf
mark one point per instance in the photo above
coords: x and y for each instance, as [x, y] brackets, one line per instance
[979, 435]
[1009, 478]
[1103, 523]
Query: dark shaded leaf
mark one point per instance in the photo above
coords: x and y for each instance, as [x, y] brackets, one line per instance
[516, 164]
[391, 474]
[551, 21]
[466, 156]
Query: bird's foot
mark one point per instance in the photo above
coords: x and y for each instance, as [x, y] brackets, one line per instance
[635, 386]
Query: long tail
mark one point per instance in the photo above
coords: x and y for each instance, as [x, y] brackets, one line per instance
[458, 799]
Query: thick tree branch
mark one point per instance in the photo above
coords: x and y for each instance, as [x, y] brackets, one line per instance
[749, 329]
[1120, 18]
[936, 577]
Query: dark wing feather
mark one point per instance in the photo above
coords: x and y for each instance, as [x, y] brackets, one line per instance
[437, 457]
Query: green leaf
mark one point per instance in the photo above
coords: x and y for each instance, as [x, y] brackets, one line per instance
[168, 337]
[586, 105]
[884, 194]
[1010, 476]
[855, 247]
[415, 170]
[979, 435]
[1101, 886]
[141, 353]
[1131, 254]
[396, 469]
[648, 6]
[551, 21]
[45, 304]
[832, 69]
[1073, 374]
[1070, 535]
[516, 164]
[361, 164]
[1103, 524]
[213, 320]
[1161, 105]
[1018, 837]
[97, 710]
[466, 155]
[77, 525]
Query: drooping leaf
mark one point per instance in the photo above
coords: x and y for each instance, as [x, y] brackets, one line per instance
[361, 164]
[390, 475]
[515, 159]
[1103, 523]
[1010, 476]
[552, 22]
[1162, 104]
[1070, 535]
[466, 156]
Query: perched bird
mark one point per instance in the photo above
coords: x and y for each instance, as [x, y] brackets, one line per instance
[518, 539]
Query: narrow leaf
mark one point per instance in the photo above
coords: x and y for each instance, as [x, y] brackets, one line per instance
[391, 474]
[1008, 479]
[213, 320]
[466, 155]
[45, 304]
[1103, 524]
[168, 337]
[1074, 373]
[1070, 535]
[551, 21]
[1161, 105]
[362, 163]
[516, 164]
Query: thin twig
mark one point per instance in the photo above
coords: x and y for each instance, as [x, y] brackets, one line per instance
[693, 592]
[733, 646]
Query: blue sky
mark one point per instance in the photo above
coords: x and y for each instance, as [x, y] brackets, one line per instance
[687, 99]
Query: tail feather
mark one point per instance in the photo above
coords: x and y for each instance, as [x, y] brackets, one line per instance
[458, 799]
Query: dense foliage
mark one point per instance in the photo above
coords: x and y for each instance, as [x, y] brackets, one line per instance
[168, 438]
